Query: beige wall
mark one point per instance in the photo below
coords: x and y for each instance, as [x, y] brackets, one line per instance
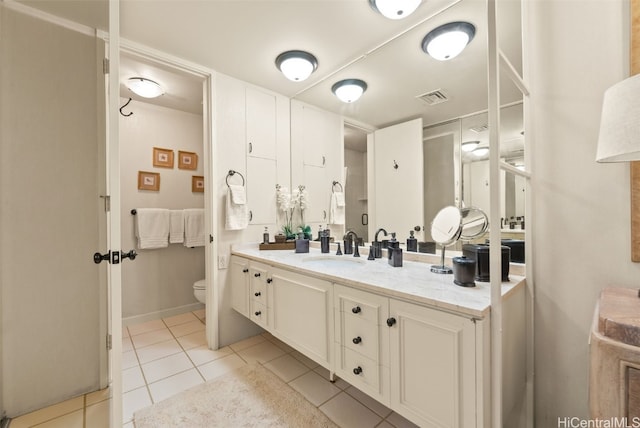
[580, 237]
[159, 279]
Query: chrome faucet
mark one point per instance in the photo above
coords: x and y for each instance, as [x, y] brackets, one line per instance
[347, 242]
[377, 245]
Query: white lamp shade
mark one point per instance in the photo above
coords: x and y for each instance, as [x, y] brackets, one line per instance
[447, 41]
[144, 87]
[469, 146]
[480, 151]
[349, 90]
[395, 9]
[296, 69]
[619, 139]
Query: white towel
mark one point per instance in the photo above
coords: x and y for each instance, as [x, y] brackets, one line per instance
[152, 228]
[194, 232]
[237, 217]
[176, 226]
[336, 208]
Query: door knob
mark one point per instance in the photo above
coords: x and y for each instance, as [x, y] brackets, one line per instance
[131, 255]
[98, 258]
[391, 321]
[357, 340]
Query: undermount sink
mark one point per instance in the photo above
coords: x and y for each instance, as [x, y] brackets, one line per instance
[347, 259]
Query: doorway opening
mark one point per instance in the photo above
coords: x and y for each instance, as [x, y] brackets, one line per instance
[355, 161]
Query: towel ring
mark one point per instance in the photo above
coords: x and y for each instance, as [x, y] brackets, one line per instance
[232, 173]
[336, 183]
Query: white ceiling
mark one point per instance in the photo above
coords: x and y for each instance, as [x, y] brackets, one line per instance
[242, 38]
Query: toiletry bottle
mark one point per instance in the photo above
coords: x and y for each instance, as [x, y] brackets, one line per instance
[395, 252]
[412, 242]
[302, 244]
[265, 235]
[319, 233]
[393, 244]
[324, 241]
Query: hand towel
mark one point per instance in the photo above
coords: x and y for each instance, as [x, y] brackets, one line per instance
[194, 230]
[336, 208]
[176, 226]
[237, 217]
[152, 228]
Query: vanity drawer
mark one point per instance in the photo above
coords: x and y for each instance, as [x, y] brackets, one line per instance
[358, 369]
[259, 291]
[360, 336]
[369, 307]
[258, 313]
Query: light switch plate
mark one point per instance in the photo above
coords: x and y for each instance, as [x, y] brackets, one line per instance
[223, 262]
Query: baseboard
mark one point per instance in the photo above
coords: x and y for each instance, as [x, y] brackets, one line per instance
[137, 319]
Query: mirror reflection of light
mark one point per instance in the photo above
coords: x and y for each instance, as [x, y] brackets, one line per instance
[146, 88]
[480, 151]
[469, 146]
[447, 41]
[395, 9]
[349, 90]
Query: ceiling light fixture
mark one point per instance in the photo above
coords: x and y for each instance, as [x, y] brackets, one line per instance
[480, 151]
[469, 146]
[144, 87]
[395, 9]
[296, 65]
[447, 41]
[349, 90]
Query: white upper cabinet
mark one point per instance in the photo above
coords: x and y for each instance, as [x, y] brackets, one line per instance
[261, 124]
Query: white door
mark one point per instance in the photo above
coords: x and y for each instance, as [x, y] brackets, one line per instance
[397, 176]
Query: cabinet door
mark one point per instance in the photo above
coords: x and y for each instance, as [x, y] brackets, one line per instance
[261, 124]
[239, 271]
[261, 190]
[432, 366]
[300, 311]
[318, 188]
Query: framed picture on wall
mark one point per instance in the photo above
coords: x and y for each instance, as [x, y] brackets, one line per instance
[187, 160]
[197, 183]
[148, 181]
[162, 158]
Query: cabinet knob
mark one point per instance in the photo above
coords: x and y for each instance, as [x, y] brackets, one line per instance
[356, 310]
[357, 370]
[245, 270]
[269, 280]
[257, 313]
[256, 274]
[391, 321]
[257, 294]
[357, 340]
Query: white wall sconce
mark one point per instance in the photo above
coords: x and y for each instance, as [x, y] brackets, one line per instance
[144, 87]
[296, 65]
[619, 139]
[349, 90]
[395, 9]
[469, 146]
[447, 41]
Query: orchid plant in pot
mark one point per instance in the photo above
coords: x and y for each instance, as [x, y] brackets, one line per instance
[288, 203]
[300, 199]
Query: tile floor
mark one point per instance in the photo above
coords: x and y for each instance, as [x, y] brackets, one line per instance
[163, 357]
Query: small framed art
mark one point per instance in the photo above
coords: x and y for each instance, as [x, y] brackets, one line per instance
[162, 158]
[148, 181]
[187, 160]
[197, 183]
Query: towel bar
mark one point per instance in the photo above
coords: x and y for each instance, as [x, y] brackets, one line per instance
[336, 183]
[231, 174]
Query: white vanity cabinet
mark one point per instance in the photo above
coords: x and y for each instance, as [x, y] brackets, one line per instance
[258, 282]
[317, 156]
[239, 272]
[301, 314]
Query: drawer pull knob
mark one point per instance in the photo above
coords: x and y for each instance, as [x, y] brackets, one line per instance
[391, 321]
[256, 274]
[269, 280]
[357, 340]
[356, 310]
[257, 294]
[258, 313]
[245, 270]
[357, 370]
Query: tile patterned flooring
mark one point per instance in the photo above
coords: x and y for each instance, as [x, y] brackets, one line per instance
[164, 357]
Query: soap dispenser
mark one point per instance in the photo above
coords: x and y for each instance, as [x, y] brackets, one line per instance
[302, 244]
[412, 242]
[324, 241]
[395, 252]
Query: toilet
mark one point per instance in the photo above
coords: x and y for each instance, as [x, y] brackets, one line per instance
[200, 290]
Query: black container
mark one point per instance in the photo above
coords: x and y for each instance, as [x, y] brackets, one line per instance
[464, 271]
[427, 247]
[324, 242]
[517, 249]
[412, 243]
[395, 256]
[480, 253]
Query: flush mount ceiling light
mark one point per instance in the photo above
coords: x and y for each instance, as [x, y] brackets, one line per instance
[144, 87]
[349, 90]
[296, 65]
[395, 9]
[480, 151]
[447, 41]
[469, 146]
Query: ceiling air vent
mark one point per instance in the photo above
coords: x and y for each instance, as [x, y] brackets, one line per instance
[434, 97]
[479, 128]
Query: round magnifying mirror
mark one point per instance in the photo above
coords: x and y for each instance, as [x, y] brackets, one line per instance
[474, 223]
[445, 228]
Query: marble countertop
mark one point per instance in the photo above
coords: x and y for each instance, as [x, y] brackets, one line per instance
[413, 281]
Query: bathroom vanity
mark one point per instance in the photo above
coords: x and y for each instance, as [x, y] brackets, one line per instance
[407, 337]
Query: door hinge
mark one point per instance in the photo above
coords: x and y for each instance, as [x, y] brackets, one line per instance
[210, 238]
[109, 342]
[107, 202]
[105, 66]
